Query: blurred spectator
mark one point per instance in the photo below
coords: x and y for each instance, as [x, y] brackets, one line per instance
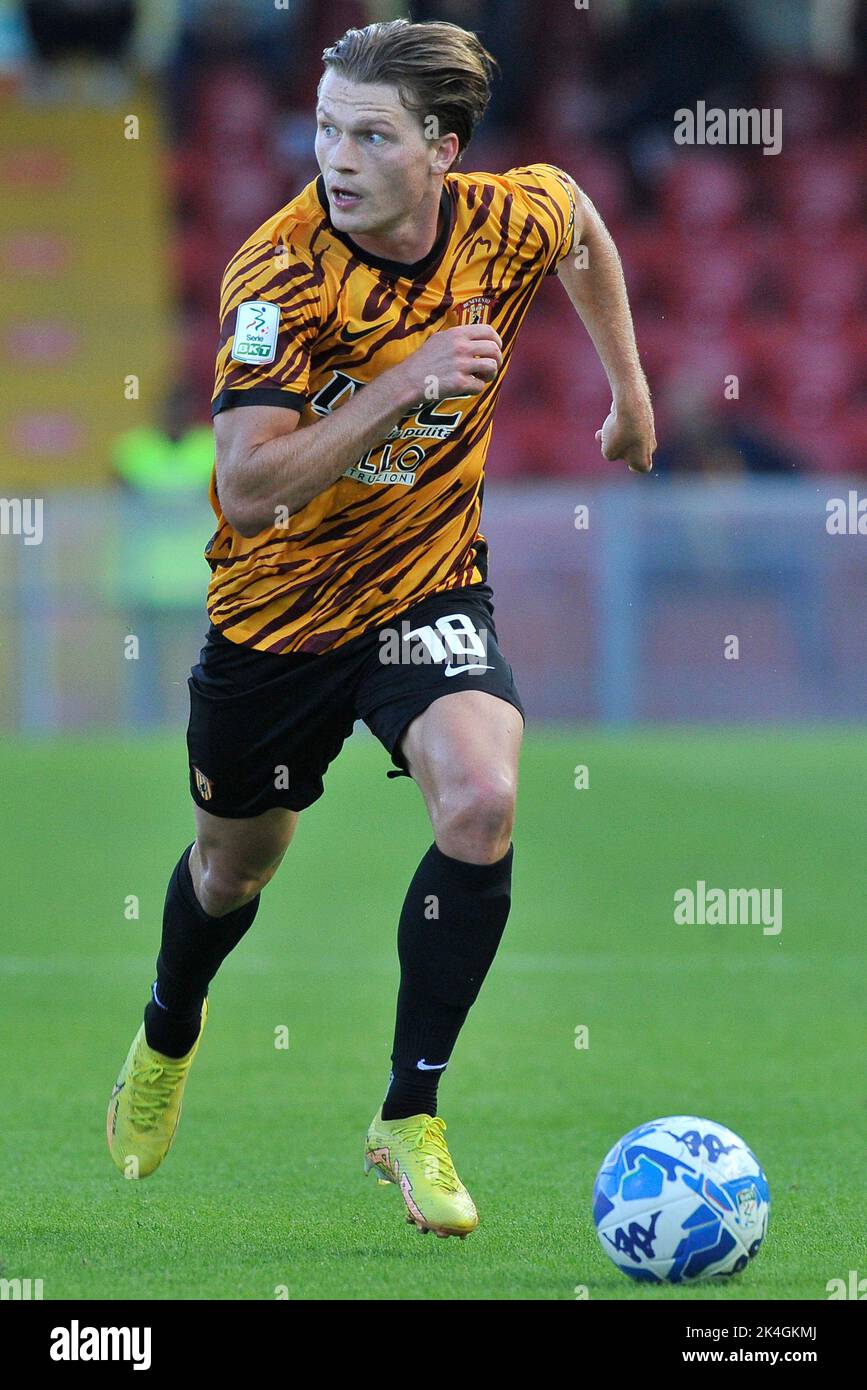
[509, 29]
[176, 455]
[595, 91]
[15, 42]
[701, 435]
[82, 47]
[859, 32]
[281, 46]
[672, 54]
[100, 29]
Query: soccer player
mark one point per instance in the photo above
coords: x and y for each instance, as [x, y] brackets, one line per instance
[366, 328]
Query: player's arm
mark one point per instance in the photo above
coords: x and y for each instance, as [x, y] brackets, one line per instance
[265, 462]
[593, 280]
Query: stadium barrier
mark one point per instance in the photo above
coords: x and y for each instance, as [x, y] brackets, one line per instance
[638, 601]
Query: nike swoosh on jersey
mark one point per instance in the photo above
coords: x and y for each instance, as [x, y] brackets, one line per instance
[350, 335]
[422, 1065]
[458, 670]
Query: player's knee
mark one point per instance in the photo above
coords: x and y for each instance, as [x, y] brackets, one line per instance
[226, 888]
[475, 817]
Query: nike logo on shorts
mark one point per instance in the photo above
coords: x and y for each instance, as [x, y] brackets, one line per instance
[422, 1065]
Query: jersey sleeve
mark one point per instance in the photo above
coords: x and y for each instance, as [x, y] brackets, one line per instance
[269, 319]
[547, 195]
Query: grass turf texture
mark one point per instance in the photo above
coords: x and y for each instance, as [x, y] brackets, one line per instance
[264, 1187]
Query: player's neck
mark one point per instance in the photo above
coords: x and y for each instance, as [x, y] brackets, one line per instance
[412, 239]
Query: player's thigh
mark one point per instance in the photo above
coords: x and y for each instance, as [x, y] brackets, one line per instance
[263, 730]
[248, 848]
[464, 750]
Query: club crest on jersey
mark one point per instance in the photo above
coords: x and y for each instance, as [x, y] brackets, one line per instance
[476, 310]
[204, 784]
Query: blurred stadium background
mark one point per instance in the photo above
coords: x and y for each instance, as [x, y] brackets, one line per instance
[140, 142]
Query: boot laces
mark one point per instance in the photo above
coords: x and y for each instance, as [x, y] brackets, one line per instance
[426, 1136]
[152, 1086]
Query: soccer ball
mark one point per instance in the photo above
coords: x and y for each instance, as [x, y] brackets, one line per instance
[681, 1199]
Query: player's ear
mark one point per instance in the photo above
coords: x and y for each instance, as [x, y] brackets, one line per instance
[445, 152]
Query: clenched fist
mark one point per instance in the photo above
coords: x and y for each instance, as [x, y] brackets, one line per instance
[455, 362]
[628, 434]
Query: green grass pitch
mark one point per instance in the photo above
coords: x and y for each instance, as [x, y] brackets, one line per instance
[264, 1189]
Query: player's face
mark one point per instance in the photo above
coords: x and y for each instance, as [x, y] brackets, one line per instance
[379, 168]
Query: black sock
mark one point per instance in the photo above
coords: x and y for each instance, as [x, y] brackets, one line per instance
[450, 927]
[192, 950]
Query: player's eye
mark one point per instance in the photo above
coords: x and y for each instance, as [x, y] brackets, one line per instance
[374, 137]
[328, 130]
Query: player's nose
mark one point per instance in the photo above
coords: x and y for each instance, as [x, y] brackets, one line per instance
[343, 156]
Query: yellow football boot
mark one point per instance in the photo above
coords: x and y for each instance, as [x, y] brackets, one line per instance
[413, 1153]
[145, 1106]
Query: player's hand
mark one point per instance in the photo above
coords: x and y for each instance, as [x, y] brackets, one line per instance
[456, 362]
[628, 434]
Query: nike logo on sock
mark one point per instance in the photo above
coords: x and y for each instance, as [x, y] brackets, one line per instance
[422, 1065]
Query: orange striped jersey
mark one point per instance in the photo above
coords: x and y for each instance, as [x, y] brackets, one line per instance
[307, 318]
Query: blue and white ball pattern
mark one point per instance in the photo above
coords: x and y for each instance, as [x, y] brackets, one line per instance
[681, 1199]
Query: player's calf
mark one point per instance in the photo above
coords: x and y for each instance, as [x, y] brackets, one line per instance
[234, 859]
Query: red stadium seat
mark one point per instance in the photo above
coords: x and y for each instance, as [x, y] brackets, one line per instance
[232, 105]
[199, 262]
[819, 190]
[712, 279]
[602, 178]
[849, 442]
[836, 446]
[812, 103]
[705, 193]
[229, 197]
[529, 442]
[716, 293]
[540, 368]
[199, 337]
[660, 343]
[642, 248]
[504, 460]
[824, 286]
[815, 383]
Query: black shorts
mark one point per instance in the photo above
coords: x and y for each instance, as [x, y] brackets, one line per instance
[264, 726]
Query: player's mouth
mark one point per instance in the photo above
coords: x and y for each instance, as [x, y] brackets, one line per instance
[344, 198]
